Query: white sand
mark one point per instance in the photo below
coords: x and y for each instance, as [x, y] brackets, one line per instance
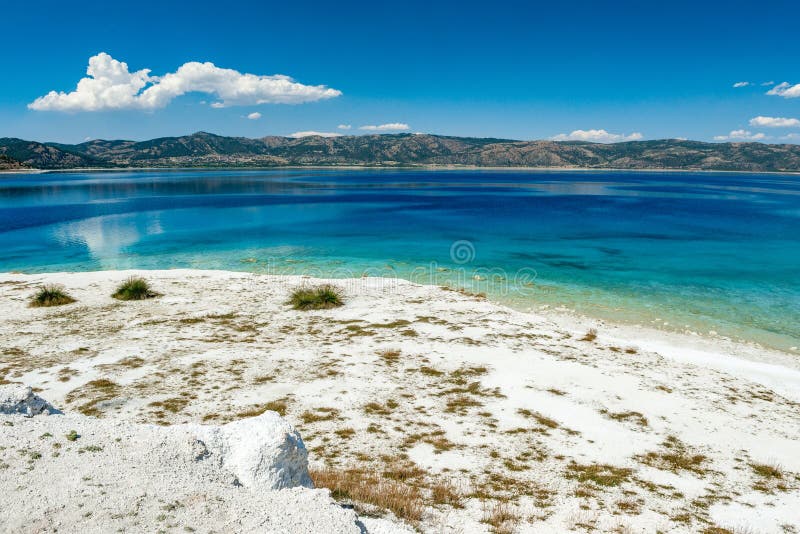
[218, 344]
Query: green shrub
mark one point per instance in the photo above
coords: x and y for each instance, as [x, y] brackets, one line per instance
[316, 298]
[134, 288]
[50, 295]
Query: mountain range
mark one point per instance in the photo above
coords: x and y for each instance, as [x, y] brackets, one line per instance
[208, 150]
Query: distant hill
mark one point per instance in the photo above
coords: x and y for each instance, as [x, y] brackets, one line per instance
[208, 150]
[46, 156]
[6, 163]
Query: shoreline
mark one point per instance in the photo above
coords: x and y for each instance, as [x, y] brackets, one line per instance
[692, 334]
[431, 167]
[704, 346]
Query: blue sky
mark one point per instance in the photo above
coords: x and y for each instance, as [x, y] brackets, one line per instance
[502, 69]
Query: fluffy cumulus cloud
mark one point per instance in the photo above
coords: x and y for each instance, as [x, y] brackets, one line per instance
[109, 85]
[741, 84]
[254, 116]
[298, 135]
[344, 126]
[786, 90]
[388, 127]
[743, 135]
[597, 136]
[774, 122]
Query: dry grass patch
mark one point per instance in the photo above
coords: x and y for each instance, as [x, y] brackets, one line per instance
[591, 335]
[97, 391]
[345, 433]
[446, 493]
[376, 408]
[676, 457]
[366, 488]
[500, 516]
[461, 404]
[771, 477]
[319, 414]
[278, 405]
[389, 356]
[599, 474]
[430, 371]
[636, 417]
[539, 418]
[174, 405]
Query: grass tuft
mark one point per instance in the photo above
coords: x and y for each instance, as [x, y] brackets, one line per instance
[134, 288]
[500, 517]
[50, 295]
[316, 298]
[591, 335]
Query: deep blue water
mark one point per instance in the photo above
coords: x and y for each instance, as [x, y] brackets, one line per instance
[715, 251]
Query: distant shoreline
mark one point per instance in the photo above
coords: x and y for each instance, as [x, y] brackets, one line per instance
[388, 167]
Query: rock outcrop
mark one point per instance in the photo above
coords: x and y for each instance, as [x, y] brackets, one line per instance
[263, 451]
[20, 399]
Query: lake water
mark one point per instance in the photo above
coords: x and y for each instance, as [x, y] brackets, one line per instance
[714, 251]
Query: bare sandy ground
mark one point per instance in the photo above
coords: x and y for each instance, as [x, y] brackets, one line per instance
[528, 423]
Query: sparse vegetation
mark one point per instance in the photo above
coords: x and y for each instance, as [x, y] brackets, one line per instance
[93, 393]
[316, 298]
[50, 295]
[134, 288]
[278, 405]
[500, 516]
[636, 417]
[675, 457]
[446, 493]
[362, 487]
[591, 335]
[767, 470]
[599, 474]
[319, 414]
[72, 435]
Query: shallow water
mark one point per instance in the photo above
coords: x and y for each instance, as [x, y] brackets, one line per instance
[700, 251]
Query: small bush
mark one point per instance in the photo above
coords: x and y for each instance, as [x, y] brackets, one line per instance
[50, 295]
[316, 298]
[591, 335]
[134, 288]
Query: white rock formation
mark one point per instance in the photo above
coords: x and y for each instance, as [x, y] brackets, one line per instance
[264, 451]
[20, 399]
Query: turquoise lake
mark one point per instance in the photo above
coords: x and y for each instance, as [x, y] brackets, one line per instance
[714, 251]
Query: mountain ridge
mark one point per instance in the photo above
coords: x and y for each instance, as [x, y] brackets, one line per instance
[203, 149]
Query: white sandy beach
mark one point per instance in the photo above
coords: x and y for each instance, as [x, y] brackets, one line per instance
[635, 431]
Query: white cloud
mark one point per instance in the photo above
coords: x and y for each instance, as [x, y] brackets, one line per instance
[389, 127]
[298, 135]
[344, 126]
[597, 136]
[767, 84]
[774, 122]
[254, 116]
[741, 84]
[790, 137]
[109, 85]
[740, 134]
[786, 90]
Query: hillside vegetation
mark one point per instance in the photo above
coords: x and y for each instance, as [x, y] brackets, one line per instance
[208, 150]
